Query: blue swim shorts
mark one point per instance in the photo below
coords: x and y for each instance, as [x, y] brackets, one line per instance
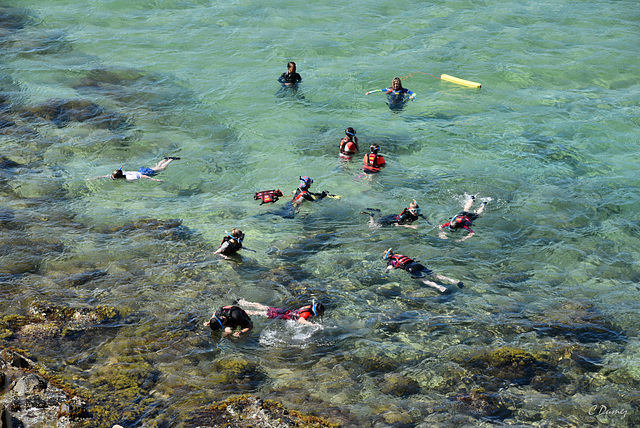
[147, 171]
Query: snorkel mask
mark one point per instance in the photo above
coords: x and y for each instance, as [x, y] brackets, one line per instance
[305, 182]
[219, 322]
[119, 169]
[453, 222]
[239, 239]
[416, 210]
[348, 132]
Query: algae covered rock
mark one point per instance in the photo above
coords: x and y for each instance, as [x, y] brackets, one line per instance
[46, 320]
[34, 398]
[398, 385]
[507, 365]
[61, 112]
[481, 405]
[170, 229]
[250, 411]
[237, 374]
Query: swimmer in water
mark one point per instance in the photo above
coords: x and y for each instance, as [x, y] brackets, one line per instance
[397, 96]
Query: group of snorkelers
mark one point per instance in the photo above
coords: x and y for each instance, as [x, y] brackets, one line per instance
[235, 320]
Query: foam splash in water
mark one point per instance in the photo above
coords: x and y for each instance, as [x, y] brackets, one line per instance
[289, 333]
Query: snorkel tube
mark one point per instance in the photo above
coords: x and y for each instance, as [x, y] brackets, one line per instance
[219, 322]
[386, 255]
[239, 239]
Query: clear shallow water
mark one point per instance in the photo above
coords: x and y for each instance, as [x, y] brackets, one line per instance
[549, 140]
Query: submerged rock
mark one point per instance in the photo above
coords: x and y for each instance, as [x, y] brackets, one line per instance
[580, 321]
[237, 374]
[61, 112]
[6, 163]
[250, 411]
[482, 405]
[506, 366]
[171, 229]
[33, 398]
[45, 320]
[12, 19]
[398, 385]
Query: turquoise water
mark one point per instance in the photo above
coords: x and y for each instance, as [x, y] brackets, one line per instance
[549, 141]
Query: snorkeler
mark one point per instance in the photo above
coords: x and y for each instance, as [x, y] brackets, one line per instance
[231, 243]
[301, 315]
[373, 162]
[228, 319]
[144, 172]
[302, 193]
[463, 220]
[349, 144]
[397, 96]
[404, 219]
[291, 77]
[417, 270]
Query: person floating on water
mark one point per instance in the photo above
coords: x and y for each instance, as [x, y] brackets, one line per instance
[463, 220]
[302, 193]
[349, 144]
[230, 320]
[301, 315]
[373, 161]
[291, 77]
[404, 219]
[143, 172]
[231, 243]
[417, 270]
[397, 96]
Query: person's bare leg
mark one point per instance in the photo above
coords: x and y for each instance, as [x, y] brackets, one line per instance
[469, 203]
[481, 209]
[440, 288]
[259, 306]
[161, 165]
[447, 279]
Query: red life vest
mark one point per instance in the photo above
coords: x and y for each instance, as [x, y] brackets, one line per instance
[371, 162]
[300, 195]
[461, 221]
[400, 260]
[268, 196]
[294, 315]
[348, 147]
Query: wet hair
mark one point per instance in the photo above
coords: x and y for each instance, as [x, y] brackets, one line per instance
[319, 309]
[236, 233]
[374, 148]
[413, 205]
[118, 173]
[291, 64]
[350, 131]
[396, 79]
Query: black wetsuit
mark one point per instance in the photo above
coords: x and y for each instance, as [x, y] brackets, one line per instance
[405, 217]
[287, 77]
[229, 246]
[398, 261]
[234, 317]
